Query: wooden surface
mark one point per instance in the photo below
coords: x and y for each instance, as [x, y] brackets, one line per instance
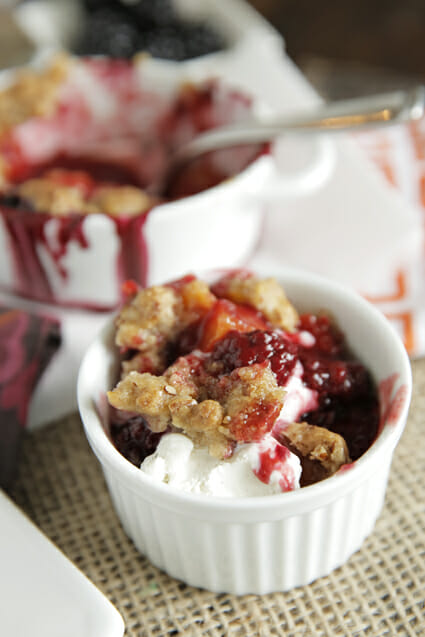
[350, 48]
[385, 33]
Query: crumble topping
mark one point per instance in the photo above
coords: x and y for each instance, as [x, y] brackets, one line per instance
[144, 394]
[265, 295]
[212, 412]
[198, 361]
[152, 361]
[32, 94]
[44, 195]
[150, 319]
[322, 452]
[252, 400]
[201, 423]
[187, 376]
[121, 200]
[47, 195]
[155, 316]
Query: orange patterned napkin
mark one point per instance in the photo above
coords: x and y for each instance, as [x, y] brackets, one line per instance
[399, 152]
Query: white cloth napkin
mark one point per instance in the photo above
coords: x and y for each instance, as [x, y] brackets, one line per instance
[360, 231]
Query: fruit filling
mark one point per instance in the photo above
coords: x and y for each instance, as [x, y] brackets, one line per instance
[236, 370]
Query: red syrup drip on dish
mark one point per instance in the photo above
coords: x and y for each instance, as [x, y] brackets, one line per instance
[27, 228]
[27, 232]
[24, 231]
[133, 256]
[392, 401]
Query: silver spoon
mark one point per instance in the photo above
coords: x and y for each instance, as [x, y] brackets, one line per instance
[357, 113]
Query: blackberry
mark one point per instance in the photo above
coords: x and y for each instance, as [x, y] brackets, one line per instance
[121, 29]
[134, 439]
[165, 43]
[239, 349]
[152, 13]
[108, 33]
[334, 377]
[356, 420]
[200, 39]
[180, 41]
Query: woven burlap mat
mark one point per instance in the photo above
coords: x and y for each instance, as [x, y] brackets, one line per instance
[380, 591]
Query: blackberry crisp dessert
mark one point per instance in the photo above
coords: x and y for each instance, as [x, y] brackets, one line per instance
[225, 389]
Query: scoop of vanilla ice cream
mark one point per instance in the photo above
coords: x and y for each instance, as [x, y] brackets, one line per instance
[179, 463]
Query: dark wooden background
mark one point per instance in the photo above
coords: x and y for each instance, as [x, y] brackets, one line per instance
[343, 43]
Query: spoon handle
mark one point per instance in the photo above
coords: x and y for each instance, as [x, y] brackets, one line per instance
[357, 113]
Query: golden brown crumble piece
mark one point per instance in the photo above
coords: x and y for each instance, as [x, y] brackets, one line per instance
[214, 410]
[163, 405]
[32, 94]
[252, 401]
[265, 295]
[3, 171]
[118, 201]
[147, 395]
[187, 376]
[150, 320]
[153, 361]
[322, 452]
[48, 196]
[197, 299]
[154, 317]
[201, 423]
[241, 407]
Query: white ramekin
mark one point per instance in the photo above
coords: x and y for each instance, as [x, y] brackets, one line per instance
[269, 543]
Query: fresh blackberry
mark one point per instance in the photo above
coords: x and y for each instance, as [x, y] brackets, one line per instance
[147, 14]
[152, 13]
[238, 349]
[165, 43]
[121, 28]
[134, 439]
[200, 39]
[180, 41]
[107, 32]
